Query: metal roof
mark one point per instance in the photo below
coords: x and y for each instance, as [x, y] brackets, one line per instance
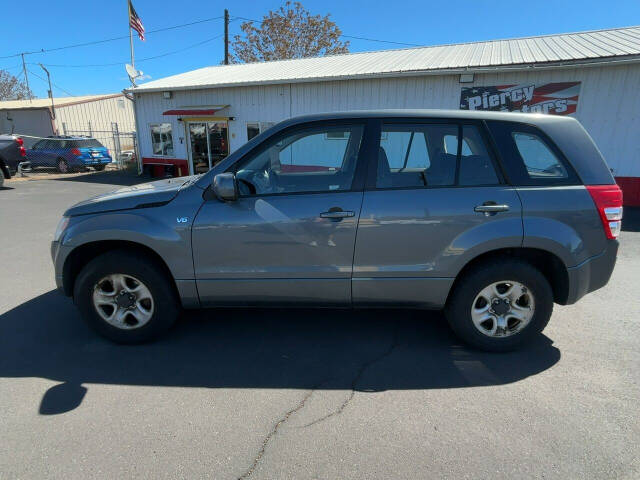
[569, 48]
[58, 102]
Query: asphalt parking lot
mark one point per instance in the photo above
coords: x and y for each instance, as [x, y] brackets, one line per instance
[303, 394]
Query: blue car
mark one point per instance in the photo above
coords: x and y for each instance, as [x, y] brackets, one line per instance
[69, 154]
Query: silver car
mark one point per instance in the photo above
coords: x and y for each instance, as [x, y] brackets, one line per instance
[492, 217]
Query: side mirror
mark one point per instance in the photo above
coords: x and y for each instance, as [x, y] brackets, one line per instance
[225, 187]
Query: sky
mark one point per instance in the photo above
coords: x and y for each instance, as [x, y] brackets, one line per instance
[43, 24]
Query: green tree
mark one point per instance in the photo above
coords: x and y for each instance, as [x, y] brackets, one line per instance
[289, 32]
[11, 88]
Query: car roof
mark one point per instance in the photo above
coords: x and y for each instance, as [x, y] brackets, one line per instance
[71, 137]
[530, 118]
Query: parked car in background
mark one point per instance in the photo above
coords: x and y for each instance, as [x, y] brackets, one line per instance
[127, 156]
[69, 153]
[12, 153]
[492, 217]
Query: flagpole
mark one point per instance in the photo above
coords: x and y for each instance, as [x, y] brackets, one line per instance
[133, 62]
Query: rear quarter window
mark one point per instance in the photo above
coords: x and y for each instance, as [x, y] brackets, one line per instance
[529, 156]
[537, 157]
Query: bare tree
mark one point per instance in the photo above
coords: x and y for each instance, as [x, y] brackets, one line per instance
[289, 32]
[11, 88]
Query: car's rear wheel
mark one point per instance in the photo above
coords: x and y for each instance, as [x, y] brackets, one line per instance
[125, 297]
[63, 166]
[498, 306]
[98, 168]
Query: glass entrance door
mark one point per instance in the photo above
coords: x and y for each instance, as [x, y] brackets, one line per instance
[209, 144]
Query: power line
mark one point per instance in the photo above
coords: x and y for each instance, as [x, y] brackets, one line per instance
[96, 42]
[348, 36]
[12, 67]
[173, 52]
[44, 80]
[383, 41]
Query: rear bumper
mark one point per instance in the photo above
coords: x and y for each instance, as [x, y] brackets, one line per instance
[592, 274]
[96, 161]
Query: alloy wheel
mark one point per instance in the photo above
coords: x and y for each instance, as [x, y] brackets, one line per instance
[502, 309]
[123, 301]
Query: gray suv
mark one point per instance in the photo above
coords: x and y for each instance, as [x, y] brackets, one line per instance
[492, 217]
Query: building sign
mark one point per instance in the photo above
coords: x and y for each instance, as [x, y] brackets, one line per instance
[555, 98]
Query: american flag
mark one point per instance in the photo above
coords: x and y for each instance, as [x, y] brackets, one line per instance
[135, 22]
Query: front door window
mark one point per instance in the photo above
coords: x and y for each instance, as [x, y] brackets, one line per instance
[208, 144]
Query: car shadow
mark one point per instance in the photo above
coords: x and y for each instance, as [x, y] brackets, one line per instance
[109, 177]
[363, 350]
[631, 219]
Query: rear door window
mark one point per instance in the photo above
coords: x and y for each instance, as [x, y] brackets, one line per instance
[433, 155]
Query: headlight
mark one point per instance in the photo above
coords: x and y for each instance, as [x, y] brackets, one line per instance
[62, 226]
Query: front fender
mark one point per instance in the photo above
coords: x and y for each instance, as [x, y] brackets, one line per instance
[171, 242]
[166, 230]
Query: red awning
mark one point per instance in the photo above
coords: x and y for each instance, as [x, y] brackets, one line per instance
[208, 111]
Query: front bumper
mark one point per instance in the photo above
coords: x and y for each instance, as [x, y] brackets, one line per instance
[593, 273]
[58, 264]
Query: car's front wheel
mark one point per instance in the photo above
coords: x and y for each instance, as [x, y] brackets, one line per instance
[98, 168]
[499, 305]
[125, 297]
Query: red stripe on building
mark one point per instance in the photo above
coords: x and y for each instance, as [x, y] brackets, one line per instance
[209, 111]
[161, 167]
[630, 190]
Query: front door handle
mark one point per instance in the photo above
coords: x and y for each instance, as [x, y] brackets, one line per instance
[337, 214]
[490, 208]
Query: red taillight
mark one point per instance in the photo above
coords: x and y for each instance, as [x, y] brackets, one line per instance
[76, 152]
[23, 152]
[19, 141]
[608, 200]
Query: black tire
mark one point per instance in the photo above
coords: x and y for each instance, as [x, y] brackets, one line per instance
[62, 165]
[166, 303]
[98, 168]
[458, 309]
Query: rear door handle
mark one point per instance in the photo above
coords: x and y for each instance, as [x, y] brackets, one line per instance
[489, 208]
[337, 214]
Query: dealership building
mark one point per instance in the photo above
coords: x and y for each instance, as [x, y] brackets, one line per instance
[187, 123]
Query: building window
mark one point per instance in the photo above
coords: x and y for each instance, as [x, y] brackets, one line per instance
[336, 135]
[256, 128]
[253, 130]
[161, 139]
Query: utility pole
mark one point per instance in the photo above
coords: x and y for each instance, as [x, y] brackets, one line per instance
[133, 61]
[53, 108]
[26, 77]
[226, 36]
